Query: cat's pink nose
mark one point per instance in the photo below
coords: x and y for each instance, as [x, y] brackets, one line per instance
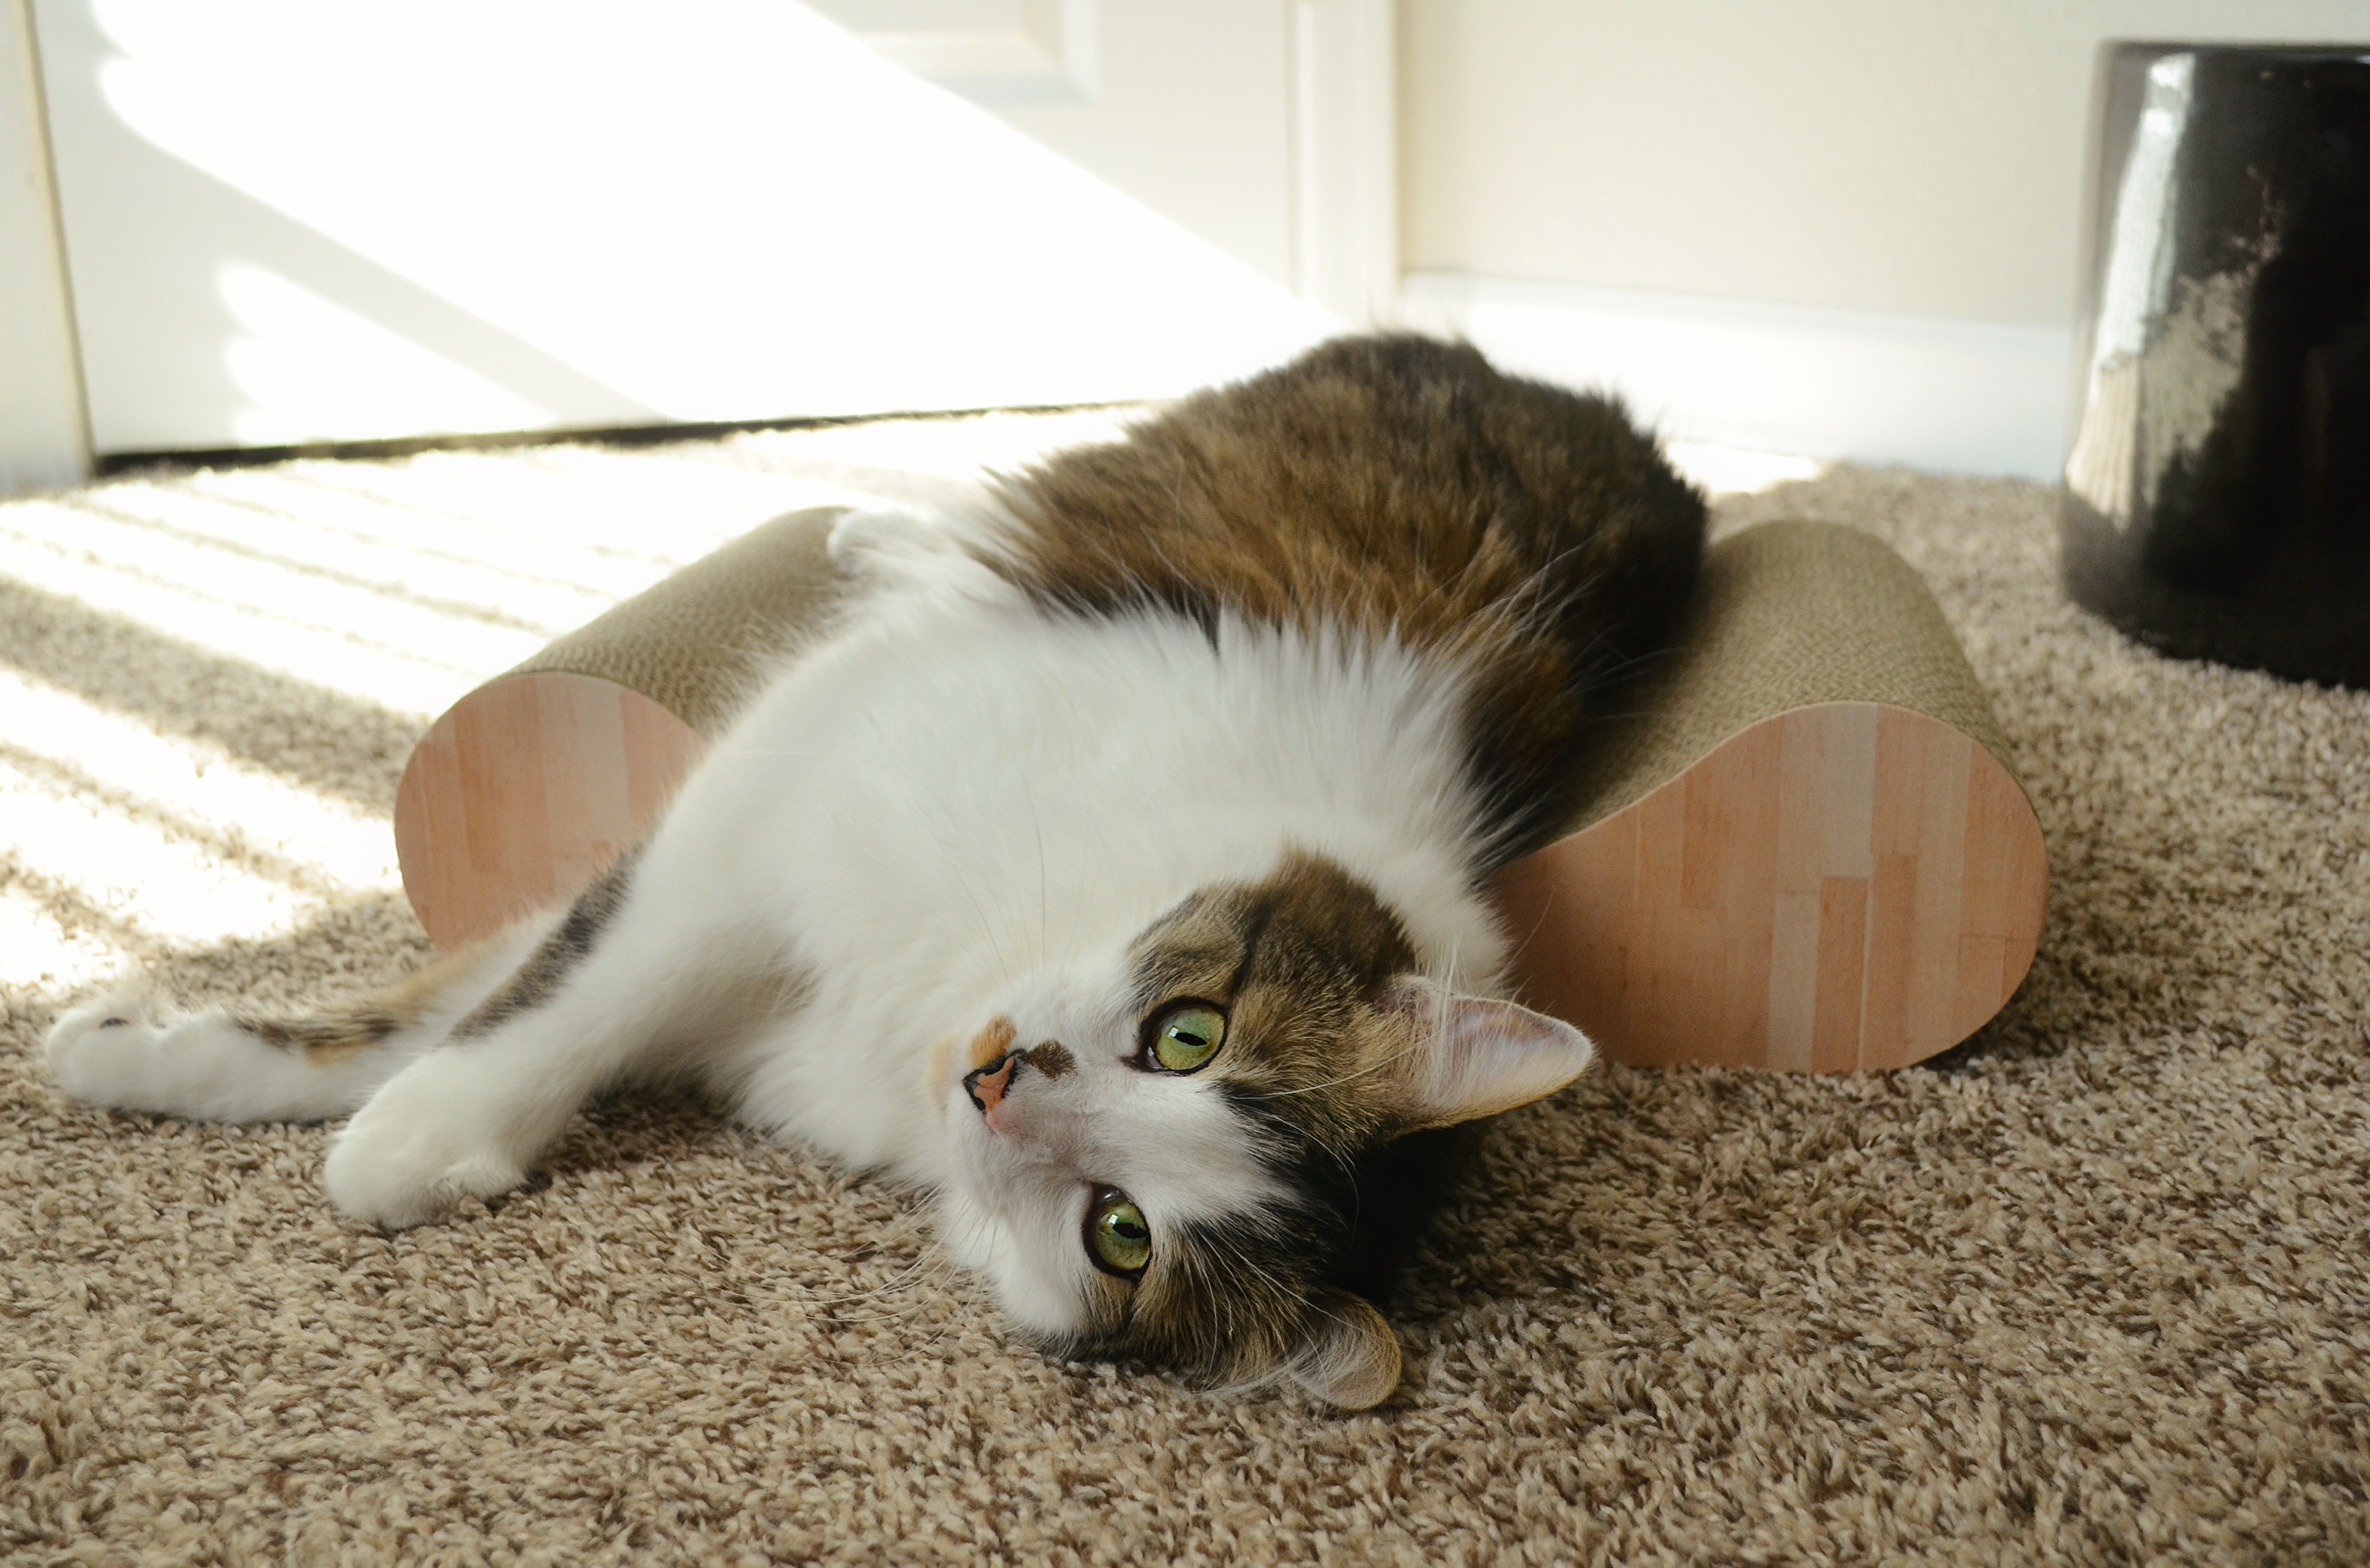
[987, 1085]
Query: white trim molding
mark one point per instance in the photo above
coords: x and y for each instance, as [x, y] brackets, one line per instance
[1970, 398]
[1344, 149]
[44, 423]
[1048, 57]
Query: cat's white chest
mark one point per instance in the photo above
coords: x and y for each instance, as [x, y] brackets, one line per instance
[962, 792]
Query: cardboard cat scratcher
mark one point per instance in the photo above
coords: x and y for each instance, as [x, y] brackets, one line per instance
[1801, 847]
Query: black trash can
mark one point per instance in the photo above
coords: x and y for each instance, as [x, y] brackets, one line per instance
[2217, 493]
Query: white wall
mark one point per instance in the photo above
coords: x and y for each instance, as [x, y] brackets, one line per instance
[1862, 166]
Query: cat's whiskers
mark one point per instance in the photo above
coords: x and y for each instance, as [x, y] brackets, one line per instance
[946, 1272]
[1240, 1265]
[1372, 1068]
[926, 1265]
[921, 1294]
[931, 1264]
[909, 1349]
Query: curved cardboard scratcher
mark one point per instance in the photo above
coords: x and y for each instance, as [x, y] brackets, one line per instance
[1803, 845]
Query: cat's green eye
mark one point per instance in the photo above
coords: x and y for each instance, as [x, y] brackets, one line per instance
[1186, 1037]
[1116, 1237]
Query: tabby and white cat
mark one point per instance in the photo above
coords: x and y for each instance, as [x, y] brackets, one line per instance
[1113, 871]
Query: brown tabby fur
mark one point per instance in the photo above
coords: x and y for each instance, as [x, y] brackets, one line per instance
[1392, 487]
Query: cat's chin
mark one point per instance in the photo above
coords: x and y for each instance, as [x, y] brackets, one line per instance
[1032, 1302]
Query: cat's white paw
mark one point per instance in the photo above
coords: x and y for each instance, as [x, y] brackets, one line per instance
[105, 1052]
[423, 1144]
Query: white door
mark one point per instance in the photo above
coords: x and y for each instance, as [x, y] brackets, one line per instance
[285, 222]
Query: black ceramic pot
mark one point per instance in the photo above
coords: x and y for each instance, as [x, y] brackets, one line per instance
[2217, 497]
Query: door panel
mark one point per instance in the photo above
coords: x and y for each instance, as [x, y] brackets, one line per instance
[289, 223]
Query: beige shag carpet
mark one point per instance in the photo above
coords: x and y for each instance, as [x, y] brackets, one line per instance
[2094, 1287]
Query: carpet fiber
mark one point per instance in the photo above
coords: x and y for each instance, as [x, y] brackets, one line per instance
[2091, 1289]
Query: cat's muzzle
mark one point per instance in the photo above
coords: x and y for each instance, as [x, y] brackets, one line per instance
[988, 1085]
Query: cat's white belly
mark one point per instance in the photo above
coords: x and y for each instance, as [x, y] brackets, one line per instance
[961, 790]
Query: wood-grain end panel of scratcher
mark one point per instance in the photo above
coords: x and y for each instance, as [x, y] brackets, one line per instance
[526, 791]
[1845, 886]
[530, 785]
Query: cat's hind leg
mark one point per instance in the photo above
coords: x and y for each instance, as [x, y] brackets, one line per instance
[128, 1050]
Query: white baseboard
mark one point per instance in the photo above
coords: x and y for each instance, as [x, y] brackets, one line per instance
[1966, 397]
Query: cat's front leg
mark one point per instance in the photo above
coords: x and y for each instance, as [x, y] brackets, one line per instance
[590, 1003]
[471, 1117]
[456, 1124]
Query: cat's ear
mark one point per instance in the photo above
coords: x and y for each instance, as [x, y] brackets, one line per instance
[1350, 1357]
[1475, 1057]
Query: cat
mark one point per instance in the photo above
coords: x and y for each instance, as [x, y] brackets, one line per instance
[1114, 871]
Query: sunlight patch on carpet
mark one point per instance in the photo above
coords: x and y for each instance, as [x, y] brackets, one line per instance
[151, 882]
[347, 642]
[43, 953]
[399, 572]
[198, 786]
[538, 542]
